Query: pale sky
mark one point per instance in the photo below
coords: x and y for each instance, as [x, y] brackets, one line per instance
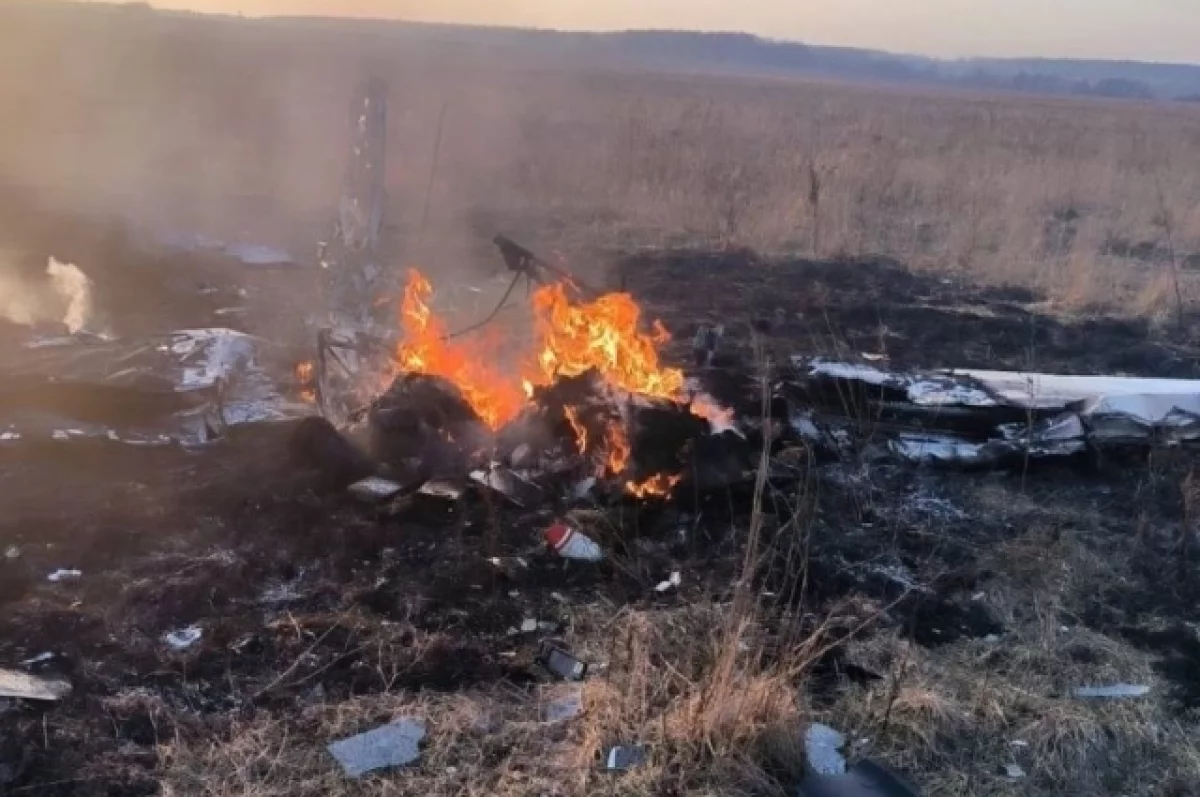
[1152, 30]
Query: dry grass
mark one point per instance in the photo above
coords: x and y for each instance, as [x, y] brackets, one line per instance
[654, 686]
[957, 713]
[211, 127]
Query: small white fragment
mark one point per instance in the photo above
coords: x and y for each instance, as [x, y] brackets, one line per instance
[440, 488]
[991, 639]
[38, 659]
[1012, 771]
[374, 489]
[1019, 743]
[64, 575]
[821, 745]
[12, 552]
[183, 638]
[978, 596]
[674, 581]
[529, 625]
[1116, 690]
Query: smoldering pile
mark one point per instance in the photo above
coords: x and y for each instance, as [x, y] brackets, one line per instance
[576, 439]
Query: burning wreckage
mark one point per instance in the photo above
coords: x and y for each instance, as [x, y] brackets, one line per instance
[582, 404]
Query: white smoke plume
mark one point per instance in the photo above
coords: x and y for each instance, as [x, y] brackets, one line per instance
[75, 289]
[64, 297]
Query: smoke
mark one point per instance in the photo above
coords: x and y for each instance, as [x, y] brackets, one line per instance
[73, 287]
[64, 297]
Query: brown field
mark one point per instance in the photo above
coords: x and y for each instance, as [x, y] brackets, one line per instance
[240, 130]
[240, 126]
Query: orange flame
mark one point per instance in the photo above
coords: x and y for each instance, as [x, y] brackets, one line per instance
[601, 335]
[656, 486]
[581, 434]
[305, 373]
[617, 446]
[494, 398]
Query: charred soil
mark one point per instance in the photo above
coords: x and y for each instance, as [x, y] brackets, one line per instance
[955, 611]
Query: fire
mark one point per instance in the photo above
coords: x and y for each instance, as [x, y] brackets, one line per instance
[494, 398]
[571, 338]
[617, 447]
[581, 434]
[305, 373]
[655, 487]
[601, 335]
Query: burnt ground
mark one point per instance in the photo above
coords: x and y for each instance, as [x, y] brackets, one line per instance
[955, 611]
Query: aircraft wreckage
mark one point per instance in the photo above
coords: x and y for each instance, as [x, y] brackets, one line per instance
[392, 390]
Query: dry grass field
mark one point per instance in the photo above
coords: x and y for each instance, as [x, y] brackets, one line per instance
[218, 124]
[240, 130]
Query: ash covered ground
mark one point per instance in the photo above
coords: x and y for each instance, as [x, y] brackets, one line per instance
[949, 614]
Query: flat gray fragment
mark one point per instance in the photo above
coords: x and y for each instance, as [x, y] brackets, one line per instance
[391, 745]
[1114, 691]
[564, 707]
[623, 757]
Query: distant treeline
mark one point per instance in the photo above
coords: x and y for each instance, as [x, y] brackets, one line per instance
[734, 52]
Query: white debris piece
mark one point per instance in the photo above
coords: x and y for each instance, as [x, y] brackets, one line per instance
[1148, 398]
[1012, 771]
[28, 687]
[392, 745]
[374, 489]
[821, 746]
[570, 543]
[819, 366]
[1113, 691]
[64, 575]
[935, 448]
[674, 581]
[529, 625]
[38, 659]
[440, 488]
[927, 391]
[183, 638]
